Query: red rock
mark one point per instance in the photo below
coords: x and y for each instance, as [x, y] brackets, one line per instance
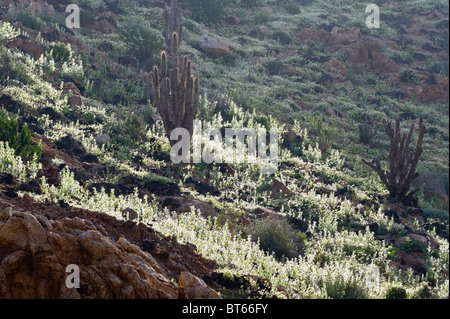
[36, 252]
[184, 204]
[339, 37]
[268, 213]
[195, 288]
[33, 48]
[279, 189]
[74, 100]
[337, 69]
[289, 70]
[308, 35]
[412, 237]
[435, 93]
[71, 89]
[213, 46]
[417, 263]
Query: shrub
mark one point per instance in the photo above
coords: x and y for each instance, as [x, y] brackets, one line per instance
[365, 133]
[342, 288]
[250, 4]
[21, 142]
[142, 41]
[396, 293]
[86, 18]
[207, 11]
[12, 164]
[13, 69]
[423, 293]
[274, 67]
[127, 132]
[326, 134]
[282, 37]
[408, 76]
[277, 237]
[60, 52]
[262, 18]
[29, 20]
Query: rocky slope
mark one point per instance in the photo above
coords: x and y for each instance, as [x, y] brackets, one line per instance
[116, 259]
[128, 259]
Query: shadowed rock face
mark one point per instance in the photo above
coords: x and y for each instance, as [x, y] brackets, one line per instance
[35, 253]
[36, 249]
[364, 51]
[213, 46]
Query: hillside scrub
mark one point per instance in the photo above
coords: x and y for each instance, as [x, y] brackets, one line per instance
[322, 225]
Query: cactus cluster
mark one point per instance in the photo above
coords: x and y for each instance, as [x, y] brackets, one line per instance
[172, 17]
[402, 164]
[175, 91]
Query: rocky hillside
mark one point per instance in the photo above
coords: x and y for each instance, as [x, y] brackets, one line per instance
[86, 177]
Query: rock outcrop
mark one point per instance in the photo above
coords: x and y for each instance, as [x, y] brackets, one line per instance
[35, 251]
[213, 46]
[363, 51]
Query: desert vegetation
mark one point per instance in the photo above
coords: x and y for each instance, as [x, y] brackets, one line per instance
[86, 116]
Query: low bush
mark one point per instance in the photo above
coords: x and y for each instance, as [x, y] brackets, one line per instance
[396, 293]
[21, 142]
[343, 288]
[28, 19]
[60, 52]
[276, 237]
[13, 69]
[207, 11]
[142, 41]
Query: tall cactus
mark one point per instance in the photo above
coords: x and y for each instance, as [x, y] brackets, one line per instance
[172, 17]
[402, 163]
[175, 91]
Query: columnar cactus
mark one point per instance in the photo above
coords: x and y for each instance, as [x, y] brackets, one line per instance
[172, 24]
[402, 163]
[175, 91]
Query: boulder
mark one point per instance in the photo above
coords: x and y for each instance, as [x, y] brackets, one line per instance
[38, 7]
[308, 35]
[368, 53]
[268, 213]
[416, 262]
[436, 93]
[36, 252]
[289, 69]
[31, 47]
[184, 204]
[71, 89]
[129, 213]
[102, 139]
[74, 100]
[339, 37]
[213, 46]
[337, 69]
[364, 51]
[422, 240]
[279, 189]
[195, 288]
